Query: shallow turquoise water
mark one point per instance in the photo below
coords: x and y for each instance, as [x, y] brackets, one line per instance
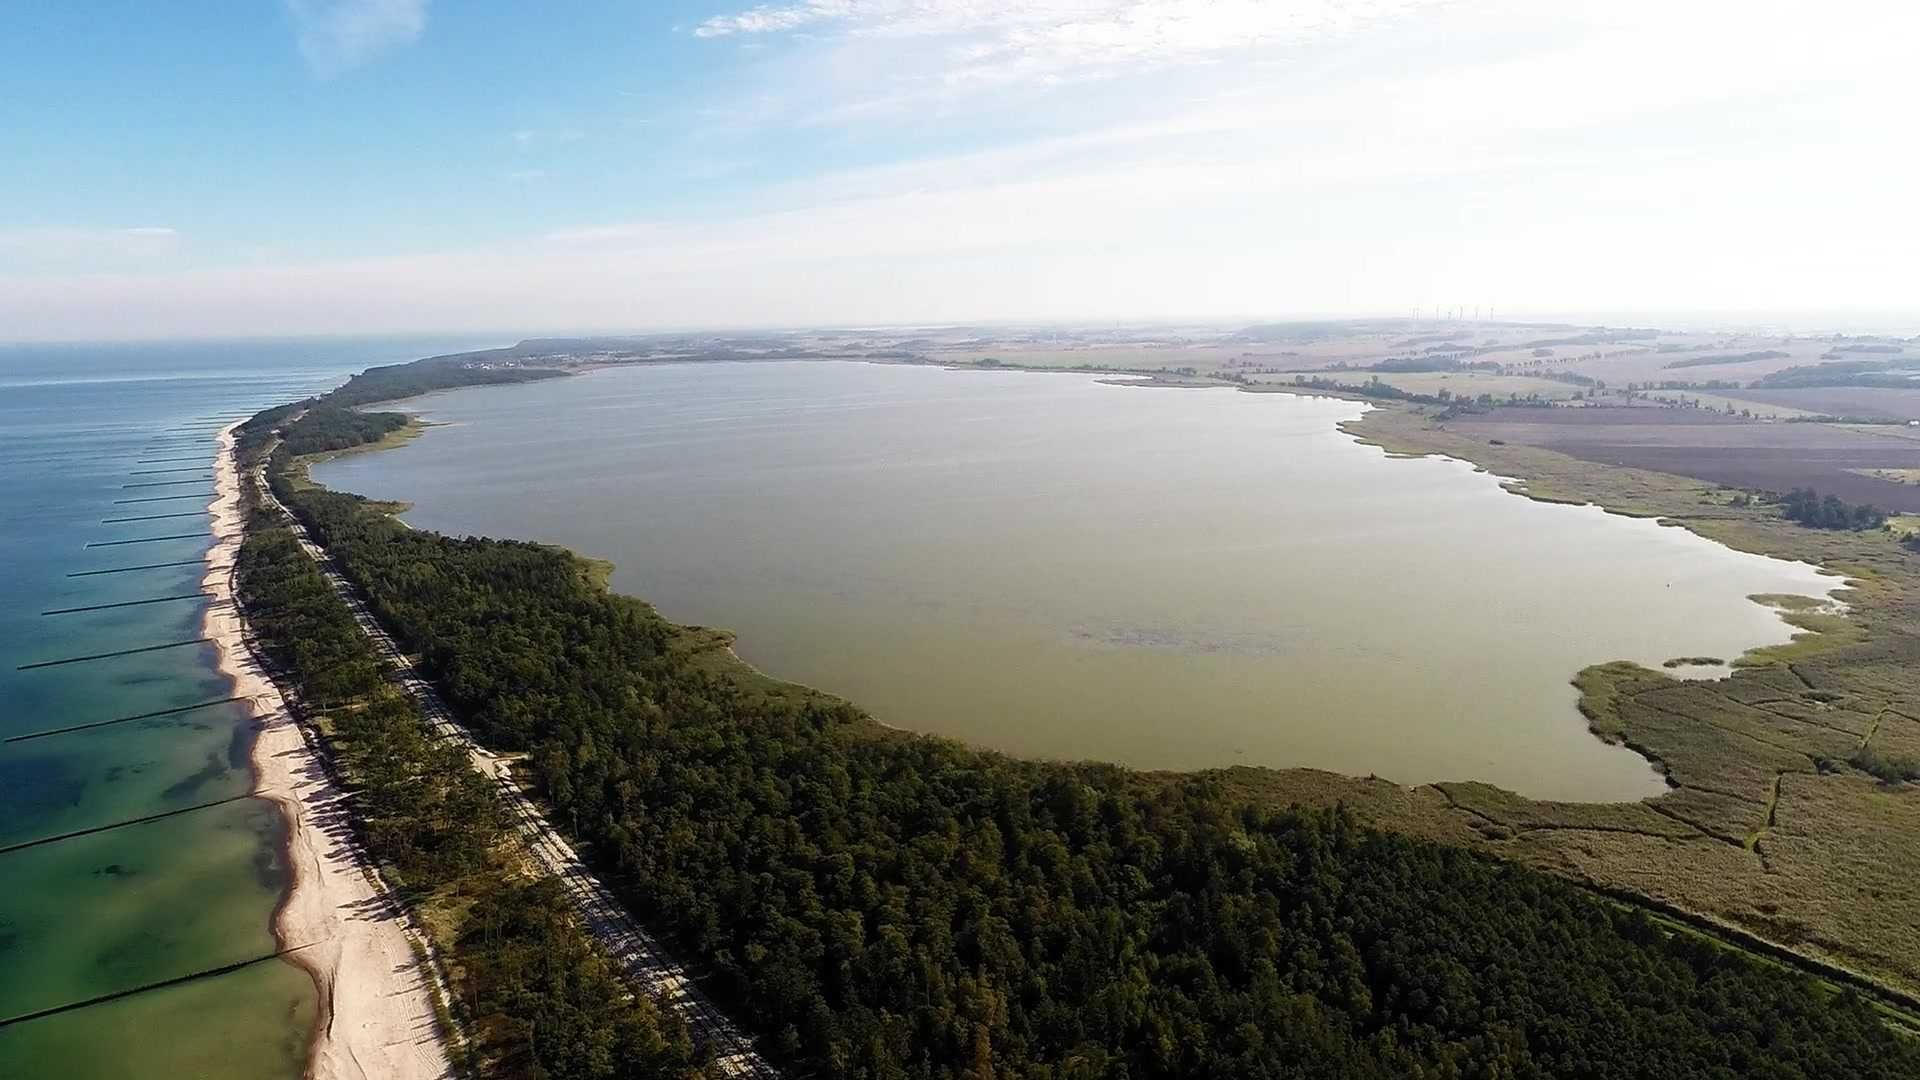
[119, 909]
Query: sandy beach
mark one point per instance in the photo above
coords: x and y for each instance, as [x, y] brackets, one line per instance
[376, 1016]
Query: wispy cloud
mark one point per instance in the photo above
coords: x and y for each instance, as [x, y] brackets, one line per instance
[773, 17]
[67, 245]
[336, 35]
[1001, 41]
[528, 137]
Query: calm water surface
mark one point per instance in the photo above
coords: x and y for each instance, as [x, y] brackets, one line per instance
[119, 909]
[1053, 566]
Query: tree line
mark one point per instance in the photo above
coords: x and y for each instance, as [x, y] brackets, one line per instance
[397, 381]
[883, 905]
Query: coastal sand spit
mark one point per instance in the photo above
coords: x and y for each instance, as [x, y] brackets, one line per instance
[376, 1016]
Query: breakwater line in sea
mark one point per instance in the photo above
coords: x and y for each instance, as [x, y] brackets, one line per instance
[167, 483]
[123, 719]
[142, 820]
[130, 569]
[147, 540]
[110, 655]
[150, 517]
[192, 976]
[127, 603]
[164, 498]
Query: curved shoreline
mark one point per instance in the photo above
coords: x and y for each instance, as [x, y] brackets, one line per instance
[375, 1016]
[1643, 776]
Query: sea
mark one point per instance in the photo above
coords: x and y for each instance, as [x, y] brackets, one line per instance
[112, 715]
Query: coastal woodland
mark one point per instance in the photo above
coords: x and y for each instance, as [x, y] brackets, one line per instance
[534, 997]
[878, 905]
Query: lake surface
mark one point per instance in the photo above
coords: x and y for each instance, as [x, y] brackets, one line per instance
[119, 909]
[1057, 567]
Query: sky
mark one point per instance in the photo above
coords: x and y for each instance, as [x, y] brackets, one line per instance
[226, 168]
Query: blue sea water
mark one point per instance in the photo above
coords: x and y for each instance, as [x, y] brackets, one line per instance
[93, 437]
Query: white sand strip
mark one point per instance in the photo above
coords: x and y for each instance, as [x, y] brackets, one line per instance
[376, 1013]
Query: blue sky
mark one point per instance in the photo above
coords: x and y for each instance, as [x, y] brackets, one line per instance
[300, 166]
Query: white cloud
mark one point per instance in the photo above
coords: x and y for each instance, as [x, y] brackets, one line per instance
[1005, 41]
[339, 34]
[770, 17]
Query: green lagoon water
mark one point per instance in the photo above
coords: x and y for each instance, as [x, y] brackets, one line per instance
[1054, 566]
[114, 910]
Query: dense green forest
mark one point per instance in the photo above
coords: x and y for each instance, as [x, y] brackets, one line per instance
[330, 427]
[423, 376]
[884, 905]
[1807, 507]
[539, 1002]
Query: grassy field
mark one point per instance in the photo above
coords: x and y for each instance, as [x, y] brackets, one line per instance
[1768, 830]
[1898, 476]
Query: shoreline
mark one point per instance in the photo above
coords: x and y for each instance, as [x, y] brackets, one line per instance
[376, 1016]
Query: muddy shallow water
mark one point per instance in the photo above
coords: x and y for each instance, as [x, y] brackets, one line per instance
[1055, 566]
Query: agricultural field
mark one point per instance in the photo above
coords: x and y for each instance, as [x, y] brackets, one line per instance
[1862, 402]
[1898, 476]
[1685, 358]
[1715, 448]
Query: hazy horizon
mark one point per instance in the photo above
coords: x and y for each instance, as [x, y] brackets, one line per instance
[1802, 324]
[394, 166]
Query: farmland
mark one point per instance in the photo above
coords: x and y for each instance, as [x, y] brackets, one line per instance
[1715, 448]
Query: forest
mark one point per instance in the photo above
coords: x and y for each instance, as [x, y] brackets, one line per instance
[424, 376]
[535, 997]
[1890, 373]
[877, 904]
[330, 427]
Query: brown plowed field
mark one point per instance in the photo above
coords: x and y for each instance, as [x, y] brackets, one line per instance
[1865, 402]
[1718, 449]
